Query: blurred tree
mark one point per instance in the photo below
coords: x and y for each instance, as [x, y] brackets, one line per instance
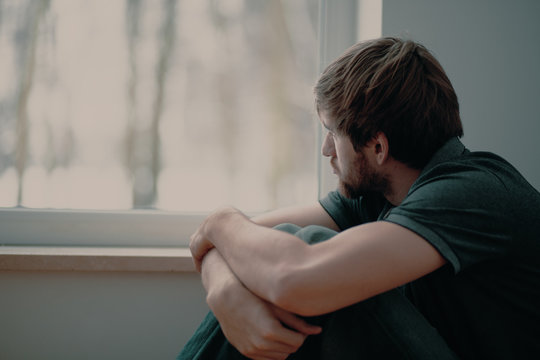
[26, 38]
[133, 20]
[167, 42]
[143, 142]
[226, 85]
[279, 65]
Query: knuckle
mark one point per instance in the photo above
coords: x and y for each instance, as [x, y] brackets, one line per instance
[259, 343]
[249, 351]
[297, 342]
[267, 335]
[269, 332]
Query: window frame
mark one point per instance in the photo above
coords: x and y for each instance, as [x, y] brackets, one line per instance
[155, 228]
[341, 24]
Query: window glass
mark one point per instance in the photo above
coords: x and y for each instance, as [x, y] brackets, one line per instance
[174, 104]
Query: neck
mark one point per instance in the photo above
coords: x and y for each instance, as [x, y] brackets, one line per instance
[401, 177]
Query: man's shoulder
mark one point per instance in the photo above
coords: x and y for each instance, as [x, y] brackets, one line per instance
[453, 162]
[477, 187]
[478, 172]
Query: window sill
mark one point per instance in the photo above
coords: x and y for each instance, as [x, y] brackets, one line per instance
[60, 258]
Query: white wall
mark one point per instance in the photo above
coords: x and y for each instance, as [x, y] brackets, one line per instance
[491, 52]
[93, 315]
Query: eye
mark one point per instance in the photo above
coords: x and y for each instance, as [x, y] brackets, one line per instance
[330, 134]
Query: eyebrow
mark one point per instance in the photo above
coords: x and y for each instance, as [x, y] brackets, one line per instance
[326, 126]
[335, 129]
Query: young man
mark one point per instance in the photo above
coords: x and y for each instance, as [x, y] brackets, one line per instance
[427, 250]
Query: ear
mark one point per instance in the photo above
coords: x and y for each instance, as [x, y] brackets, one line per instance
[381, 148]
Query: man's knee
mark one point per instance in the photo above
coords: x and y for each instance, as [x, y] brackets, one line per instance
[288, 228]
[311, 234]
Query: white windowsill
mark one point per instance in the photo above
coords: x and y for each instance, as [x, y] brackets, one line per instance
[60, 258]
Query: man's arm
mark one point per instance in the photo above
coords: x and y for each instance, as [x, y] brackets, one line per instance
[309, 280]
[313, 214]
[235, 306]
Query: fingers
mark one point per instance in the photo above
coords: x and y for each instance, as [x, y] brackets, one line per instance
[198, 264]
[273, 354]
[268, 350]
[199, 247]
[285, 340]
[296, 323]
[274, 342]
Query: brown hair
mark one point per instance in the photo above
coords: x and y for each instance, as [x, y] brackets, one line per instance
[392, 86]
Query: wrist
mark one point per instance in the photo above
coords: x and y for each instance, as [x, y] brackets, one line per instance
[225, 292]
[217, 278]
[221, 293]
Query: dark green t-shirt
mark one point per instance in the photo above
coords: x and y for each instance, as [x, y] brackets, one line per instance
[484, 218]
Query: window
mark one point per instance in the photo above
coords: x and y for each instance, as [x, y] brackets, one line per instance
[173, 105]
[170, 104]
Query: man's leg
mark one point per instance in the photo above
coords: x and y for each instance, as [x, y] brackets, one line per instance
[209, 343]
[385, 326]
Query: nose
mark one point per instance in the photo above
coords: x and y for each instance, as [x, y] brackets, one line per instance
[328, 147]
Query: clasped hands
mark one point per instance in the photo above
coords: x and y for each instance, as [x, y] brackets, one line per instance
[255, 327]
[200, 243]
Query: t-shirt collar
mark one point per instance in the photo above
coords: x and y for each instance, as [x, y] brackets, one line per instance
[452, 149]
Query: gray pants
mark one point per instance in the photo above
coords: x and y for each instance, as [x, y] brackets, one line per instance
[386, 326]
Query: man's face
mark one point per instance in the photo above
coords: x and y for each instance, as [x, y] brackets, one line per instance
[356, 175]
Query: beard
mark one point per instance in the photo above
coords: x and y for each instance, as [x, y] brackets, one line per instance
[361, 179]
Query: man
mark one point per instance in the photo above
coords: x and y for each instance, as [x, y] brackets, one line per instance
[427, 250]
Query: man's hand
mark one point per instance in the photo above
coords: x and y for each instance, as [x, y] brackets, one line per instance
[252, 325]
[255, 327]
[200, 243]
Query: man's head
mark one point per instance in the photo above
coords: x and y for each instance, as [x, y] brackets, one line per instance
[395, 87]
